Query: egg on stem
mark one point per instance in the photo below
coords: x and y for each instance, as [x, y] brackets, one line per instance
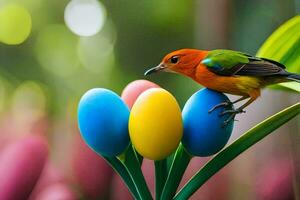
[204, 131]
[249, 138]
[155, 124]
[155, 128]
[103, 123]
[131, 92]
[202, 135]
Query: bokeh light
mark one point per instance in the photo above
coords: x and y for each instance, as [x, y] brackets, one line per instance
[37, 9]
[85, 17]
[15, 23]
[96, 53]
[5, 90]
[56, 50]
[28, 103]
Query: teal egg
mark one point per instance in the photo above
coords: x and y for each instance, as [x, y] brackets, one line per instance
[103, 121]
[204, 132]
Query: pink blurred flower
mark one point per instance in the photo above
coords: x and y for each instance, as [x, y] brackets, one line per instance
[90, 171]
[148, 171]
[20, 129]
[119, 189]
[217, 188]
[58, 191]
[275, 181]
[21, 165]
[51, 175]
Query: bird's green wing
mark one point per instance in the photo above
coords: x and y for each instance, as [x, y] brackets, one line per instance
[228, 63]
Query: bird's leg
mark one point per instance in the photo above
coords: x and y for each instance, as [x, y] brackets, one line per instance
[231, 116]
[223, 104]
[240, 99]
[253, 96]
[233, 112]
[227, 103]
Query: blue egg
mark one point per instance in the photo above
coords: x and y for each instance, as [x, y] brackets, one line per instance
[204, 132]
[103, 121]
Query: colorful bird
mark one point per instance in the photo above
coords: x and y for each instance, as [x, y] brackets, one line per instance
[226, 71]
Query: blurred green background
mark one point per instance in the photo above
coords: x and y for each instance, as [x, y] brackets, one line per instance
[44, 75]
[135, 36]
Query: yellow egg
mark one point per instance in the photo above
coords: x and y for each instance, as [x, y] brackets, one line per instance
[155, 124]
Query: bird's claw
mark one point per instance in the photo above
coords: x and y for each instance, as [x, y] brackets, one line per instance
[223, 104]
[231, 116]
[228, 120]
[233, 112]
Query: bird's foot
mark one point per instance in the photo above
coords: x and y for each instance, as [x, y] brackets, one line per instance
[228, 120]
[233, 111]
[232, 114]
[223, 104]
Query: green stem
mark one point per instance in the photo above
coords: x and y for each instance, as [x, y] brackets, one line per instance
[170, 161]
[118, 166]
[161, 172]
[139, 157]
[178, 167]
[133, 166]
[248, 139]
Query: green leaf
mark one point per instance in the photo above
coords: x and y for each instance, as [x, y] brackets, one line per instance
[118, 166]
[133, 166]
[284, 46]
[161, 172]
[288, 86]
[178, 167]
[279, 41]
[248, 139]
[291, 85]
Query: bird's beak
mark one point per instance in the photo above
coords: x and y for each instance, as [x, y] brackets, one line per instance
[158, 68]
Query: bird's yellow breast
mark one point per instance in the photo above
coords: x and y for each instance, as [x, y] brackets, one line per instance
[237, 85]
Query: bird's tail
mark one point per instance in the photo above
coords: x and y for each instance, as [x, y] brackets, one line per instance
[294, 77]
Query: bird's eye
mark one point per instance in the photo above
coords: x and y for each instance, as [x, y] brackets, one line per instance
[174, 59]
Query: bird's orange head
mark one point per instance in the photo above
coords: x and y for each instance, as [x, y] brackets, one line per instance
[183, 61]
